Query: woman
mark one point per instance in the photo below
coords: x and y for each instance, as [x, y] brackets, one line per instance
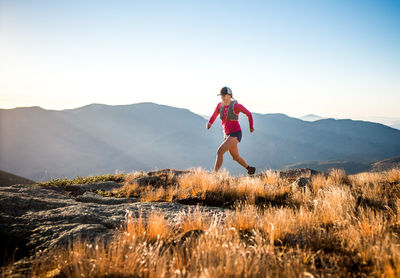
[229, 111]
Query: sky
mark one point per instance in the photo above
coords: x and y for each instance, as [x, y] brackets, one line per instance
[331, 58]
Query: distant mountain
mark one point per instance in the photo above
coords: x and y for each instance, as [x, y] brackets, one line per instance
[389, 121]
[7, 179]
[386, 164]
[311, 118]
[94, 139]
[351, 167]
[204, 116]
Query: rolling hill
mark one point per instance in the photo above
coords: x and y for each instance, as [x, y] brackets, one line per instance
[7, 179]
[41, 144]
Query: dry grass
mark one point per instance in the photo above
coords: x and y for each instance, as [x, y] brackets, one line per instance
[343, 226]
[216, 189]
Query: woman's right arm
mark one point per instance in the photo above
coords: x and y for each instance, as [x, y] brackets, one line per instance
[214, 116]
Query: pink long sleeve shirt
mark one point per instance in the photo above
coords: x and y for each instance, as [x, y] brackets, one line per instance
[228, 125]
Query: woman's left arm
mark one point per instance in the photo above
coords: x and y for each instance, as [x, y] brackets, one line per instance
[241, 108]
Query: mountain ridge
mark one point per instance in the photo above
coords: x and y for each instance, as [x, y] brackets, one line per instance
[100, 138]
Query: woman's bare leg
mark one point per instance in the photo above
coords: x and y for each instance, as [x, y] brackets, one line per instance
[234, 151]
[225, 146]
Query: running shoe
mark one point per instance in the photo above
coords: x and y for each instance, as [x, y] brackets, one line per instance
[251, 170]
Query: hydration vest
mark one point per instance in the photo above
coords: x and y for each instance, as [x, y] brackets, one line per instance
[232, 116]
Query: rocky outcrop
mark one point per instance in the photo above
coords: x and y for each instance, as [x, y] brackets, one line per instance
[38, 218]
[293, 174]
[162, 178]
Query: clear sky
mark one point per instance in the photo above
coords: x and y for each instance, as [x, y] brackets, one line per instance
[331, 58]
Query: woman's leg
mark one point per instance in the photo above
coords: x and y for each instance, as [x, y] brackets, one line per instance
[234, 151]
[225, 146]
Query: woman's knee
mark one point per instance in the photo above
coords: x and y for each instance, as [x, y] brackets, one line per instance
[235, 157]
[220, 152]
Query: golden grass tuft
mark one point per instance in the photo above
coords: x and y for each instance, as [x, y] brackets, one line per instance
[337, 177]
[200, 181]
[393, 175]
[272, 178]
[318, 182]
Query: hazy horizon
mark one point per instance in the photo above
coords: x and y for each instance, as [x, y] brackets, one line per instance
[334, 59]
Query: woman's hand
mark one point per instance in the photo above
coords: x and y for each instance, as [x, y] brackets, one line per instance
[208, 125]
[251, 130]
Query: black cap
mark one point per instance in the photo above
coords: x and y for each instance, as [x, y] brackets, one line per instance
[225, 91]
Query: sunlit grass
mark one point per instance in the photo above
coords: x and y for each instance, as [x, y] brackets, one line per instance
[83, 180]
[345, 225]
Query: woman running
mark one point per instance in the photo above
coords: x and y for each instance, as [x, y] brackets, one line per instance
[228, 111]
